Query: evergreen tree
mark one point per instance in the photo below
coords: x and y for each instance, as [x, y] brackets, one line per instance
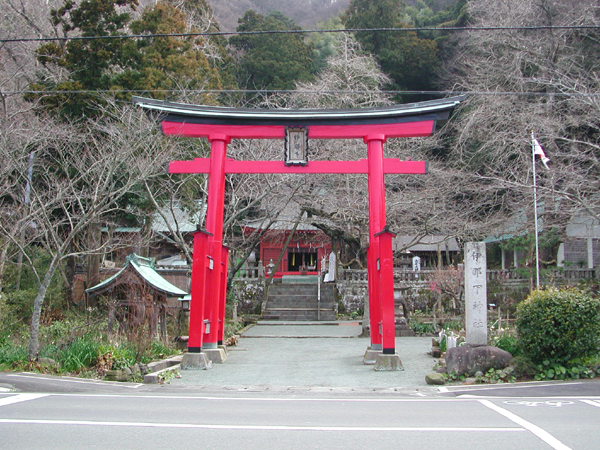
[410, 61]
[153, 66]
[271, 61]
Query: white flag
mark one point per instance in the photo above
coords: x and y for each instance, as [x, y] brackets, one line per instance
[539, 151]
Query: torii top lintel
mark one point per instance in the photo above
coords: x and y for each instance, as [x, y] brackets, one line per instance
[407, 120]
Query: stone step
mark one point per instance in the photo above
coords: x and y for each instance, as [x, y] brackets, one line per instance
[297, 302]
[293, 291]
[299, 315]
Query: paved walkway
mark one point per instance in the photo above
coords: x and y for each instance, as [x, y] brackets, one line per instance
[272, 356]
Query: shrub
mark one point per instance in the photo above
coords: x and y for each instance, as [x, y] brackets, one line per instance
[453, 325]
[117, 356]
[508, 342]
[422, 328]
[11, 354]
[82, 353]
[559, 325]
[523, 367]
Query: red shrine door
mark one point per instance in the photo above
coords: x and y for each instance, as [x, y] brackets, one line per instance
[219, 125]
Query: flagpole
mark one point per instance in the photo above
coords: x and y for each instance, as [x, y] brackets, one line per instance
[535, 215]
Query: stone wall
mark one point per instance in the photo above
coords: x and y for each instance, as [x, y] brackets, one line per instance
[576, 252]
[353, 295]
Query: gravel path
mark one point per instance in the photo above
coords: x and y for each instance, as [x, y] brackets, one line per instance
[313, 357]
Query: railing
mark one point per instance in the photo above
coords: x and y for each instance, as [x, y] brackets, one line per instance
[546, 274]
[426, 275]
[250, 273]
[353, 275]
[407, 276]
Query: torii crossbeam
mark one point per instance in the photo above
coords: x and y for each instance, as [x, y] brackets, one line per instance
[219, 125]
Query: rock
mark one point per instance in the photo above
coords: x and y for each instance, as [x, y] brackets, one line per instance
[121, 376]
[135, 369]
[468, 359]
[435, 379]
[112, 375]
[436, 352]
[46, 362]
[479, 373]
[127, 371]
[441, 370]
[469, 381]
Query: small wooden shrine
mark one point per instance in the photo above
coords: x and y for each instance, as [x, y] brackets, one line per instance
[137, 298]
[302, 255]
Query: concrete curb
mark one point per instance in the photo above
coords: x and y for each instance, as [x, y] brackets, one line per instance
[152, 378]
[158, 367]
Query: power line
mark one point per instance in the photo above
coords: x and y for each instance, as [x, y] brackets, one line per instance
[289, 91]
[260, 32]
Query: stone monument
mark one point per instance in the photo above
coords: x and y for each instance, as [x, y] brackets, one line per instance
[476, 293]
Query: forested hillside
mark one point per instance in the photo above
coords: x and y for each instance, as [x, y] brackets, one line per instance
[76, 155]
[306, 13]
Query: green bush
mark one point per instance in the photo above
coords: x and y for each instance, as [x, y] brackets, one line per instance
[508, 342]
[453, 325]
[119, 355]
[523, 367]
[422, 328]
[82, 353]
[559, 325]
[11, 354]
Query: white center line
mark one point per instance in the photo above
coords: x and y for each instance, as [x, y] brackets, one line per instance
[20, 398]
[256, 427]
[539, 432]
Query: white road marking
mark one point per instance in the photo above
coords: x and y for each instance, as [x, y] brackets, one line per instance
[524, 385]
[254, 427]
[539, 432]
[78, 380]
[592, 402]
[552, 403]
[20, 398]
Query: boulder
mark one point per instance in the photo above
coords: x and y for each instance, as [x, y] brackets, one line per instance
[436, 352]
[435, 378]
[468, 359]
[46, 362]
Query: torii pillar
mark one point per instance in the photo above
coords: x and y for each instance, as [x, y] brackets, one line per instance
[220, 125]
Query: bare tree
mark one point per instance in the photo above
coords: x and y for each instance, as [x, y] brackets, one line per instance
[552, 79]
[80, 176]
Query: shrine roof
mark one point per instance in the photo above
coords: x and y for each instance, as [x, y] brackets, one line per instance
[144, 267]
[180, 112]
[429, 243]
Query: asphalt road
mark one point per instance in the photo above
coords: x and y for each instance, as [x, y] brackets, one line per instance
[286, 391]
[160, 420]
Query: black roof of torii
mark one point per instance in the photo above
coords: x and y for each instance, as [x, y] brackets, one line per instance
[436, 110]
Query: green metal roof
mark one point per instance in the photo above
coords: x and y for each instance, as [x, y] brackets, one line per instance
[144, 267]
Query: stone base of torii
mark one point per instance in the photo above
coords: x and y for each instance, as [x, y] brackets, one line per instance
[220, 125]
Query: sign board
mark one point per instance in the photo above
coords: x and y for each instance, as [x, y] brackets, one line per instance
[296, 146]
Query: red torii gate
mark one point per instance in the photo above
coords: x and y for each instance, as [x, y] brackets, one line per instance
[219, 125]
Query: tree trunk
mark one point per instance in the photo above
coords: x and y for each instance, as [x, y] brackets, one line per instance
[93, 259]
[34, 339]
[3, 264]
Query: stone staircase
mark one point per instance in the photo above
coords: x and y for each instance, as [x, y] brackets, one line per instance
[299, 301]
